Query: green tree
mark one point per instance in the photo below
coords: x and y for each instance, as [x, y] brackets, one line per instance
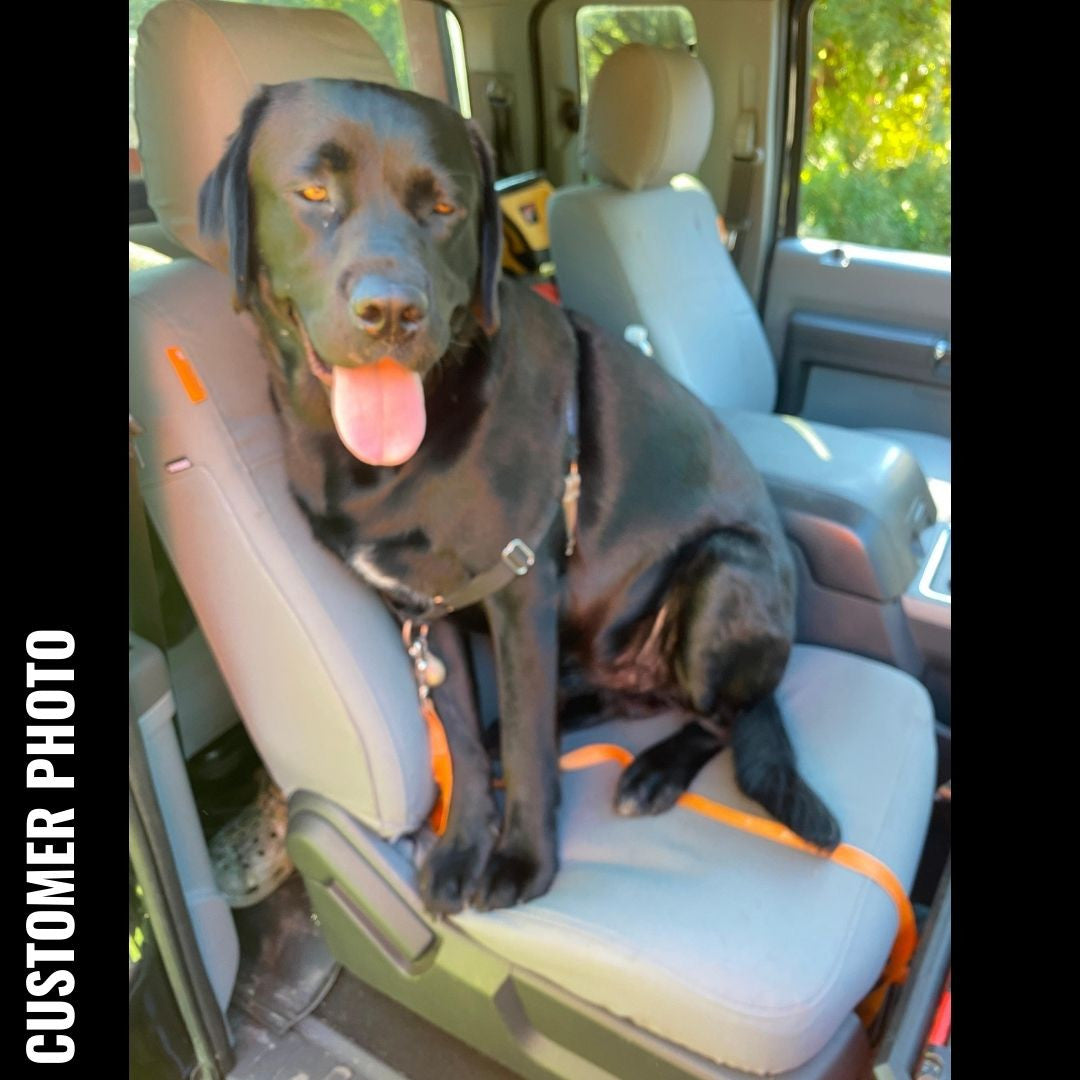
[604, 29]
[879, 137]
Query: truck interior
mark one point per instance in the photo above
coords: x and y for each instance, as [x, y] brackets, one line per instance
[693, 177]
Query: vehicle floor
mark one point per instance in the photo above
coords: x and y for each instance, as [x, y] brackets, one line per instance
[296, 1013]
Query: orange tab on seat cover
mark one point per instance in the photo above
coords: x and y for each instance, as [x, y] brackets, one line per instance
[187, 374]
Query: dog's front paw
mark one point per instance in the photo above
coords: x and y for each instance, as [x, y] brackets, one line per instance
[452, 869]
[648, 787]
[512, 876]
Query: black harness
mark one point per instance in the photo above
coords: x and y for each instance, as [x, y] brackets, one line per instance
[516, 560]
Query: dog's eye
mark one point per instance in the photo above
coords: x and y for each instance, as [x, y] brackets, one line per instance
[443, 208]
[314, 193]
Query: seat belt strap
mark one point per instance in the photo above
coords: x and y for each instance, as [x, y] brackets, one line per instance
[737, 219]
[746, 161]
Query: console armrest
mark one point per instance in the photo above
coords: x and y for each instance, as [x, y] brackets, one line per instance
[855, 503]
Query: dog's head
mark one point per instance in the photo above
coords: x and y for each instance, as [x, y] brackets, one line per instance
[362, 222]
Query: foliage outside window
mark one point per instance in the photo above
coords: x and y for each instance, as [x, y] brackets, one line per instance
[877, 165]
[604, 28]
[380, 18]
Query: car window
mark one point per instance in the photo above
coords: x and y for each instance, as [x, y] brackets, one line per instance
[604, 28]
[876, 167]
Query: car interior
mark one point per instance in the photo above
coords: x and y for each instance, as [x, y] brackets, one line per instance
[653, 185]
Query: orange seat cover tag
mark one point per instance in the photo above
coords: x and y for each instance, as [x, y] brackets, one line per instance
[187, 374]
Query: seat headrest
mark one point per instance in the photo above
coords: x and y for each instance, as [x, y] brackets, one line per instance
[649, 117]
[196, 65]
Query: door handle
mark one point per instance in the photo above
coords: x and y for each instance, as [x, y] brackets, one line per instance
[837, 257]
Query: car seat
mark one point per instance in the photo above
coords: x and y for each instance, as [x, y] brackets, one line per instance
[635, 248]
[667, 947]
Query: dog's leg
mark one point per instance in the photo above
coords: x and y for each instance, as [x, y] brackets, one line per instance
[731, 638]
[654, 780]
[524, 628]
[452, 867]
[765, 771]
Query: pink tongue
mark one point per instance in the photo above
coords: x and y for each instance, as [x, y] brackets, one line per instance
[379, 411]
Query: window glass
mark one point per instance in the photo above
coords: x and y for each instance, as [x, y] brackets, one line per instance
[604, 28]
[878, 146]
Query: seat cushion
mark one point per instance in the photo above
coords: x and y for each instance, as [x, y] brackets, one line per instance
[934, 455]
[311, 657]
[746, 952]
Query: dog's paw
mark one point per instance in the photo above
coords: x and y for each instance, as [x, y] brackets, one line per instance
[512, 877]
[647, 788]
[452, 869]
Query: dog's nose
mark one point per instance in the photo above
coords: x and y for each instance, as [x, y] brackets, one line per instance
[388, 309]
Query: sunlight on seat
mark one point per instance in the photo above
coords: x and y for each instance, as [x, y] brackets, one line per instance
[140, 257]
[941, 493]
[813, 440]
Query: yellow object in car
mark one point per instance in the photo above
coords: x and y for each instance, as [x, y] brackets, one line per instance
[527, 249]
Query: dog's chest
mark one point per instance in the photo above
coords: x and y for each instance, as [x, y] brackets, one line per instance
[364, 560]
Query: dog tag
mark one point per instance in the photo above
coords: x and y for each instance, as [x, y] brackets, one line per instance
[430, 670]
[435, 672]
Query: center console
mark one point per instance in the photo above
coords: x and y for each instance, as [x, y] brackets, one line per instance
[875, 569]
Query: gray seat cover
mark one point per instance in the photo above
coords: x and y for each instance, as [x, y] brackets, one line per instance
[746, 952]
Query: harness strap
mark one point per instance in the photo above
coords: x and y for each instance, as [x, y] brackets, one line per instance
[517, 558]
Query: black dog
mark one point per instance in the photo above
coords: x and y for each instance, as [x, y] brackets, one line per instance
[430, 411]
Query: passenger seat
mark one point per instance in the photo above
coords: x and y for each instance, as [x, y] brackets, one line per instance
[637, 248]
[670, 946]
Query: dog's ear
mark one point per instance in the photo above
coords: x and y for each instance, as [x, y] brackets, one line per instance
[485, 303]
[225, 198]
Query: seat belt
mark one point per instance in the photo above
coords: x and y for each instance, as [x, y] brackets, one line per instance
[499, 101]
[746, 161]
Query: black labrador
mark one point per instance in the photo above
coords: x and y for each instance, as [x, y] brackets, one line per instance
[430, 411]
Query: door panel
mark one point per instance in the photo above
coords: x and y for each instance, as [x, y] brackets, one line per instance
[861, 334]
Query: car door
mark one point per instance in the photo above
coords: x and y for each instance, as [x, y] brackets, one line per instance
[857, 293]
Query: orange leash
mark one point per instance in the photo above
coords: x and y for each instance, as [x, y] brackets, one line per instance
[441, 766]
[846, 855]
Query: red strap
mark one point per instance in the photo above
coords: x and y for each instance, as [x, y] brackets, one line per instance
[548, 290]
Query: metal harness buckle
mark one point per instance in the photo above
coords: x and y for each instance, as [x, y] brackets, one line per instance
[518, 557]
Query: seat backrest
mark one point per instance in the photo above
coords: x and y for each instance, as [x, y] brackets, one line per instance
[312, 659]
[641, 244]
